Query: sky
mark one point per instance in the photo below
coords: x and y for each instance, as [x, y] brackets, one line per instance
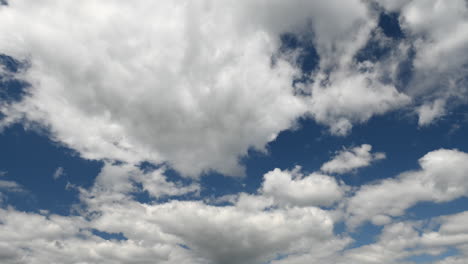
[234, 132]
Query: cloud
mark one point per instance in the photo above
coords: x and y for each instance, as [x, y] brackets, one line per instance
[442, 178]
[120, 181]
[59, 172]
[167, 232]
[280, 225]
[350, 97]
[187, 84]
[183, 83]
[429, 112]
[10, 186]
[433, 237]
[350, 159]
[294, 188]
[439, 66]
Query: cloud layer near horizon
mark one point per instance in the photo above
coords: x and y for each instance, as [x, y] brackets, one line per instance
[296, 221]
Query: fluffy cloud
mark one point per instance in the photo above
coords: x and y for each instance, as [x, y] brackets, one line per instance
[439, 66]
[170, 81]
[442, 178]
[281, 225]
[413, 238]
[190, 84]
[34, 238]
[351, 159]
[120, 181]
[350, 97]
[194, 86]
[163, 233]
[169, 232]
[294, 188]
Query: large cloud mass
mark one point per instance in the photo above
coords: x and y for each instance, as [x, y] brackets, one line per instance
[194, 84]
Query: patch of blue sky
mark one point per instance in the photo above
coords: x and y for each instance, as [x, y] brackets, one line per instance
[30, 158]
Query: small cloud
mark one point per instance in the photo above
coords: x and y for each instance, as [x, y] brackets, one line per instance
[350, 159]
[59, 172]
[3, 173]
[10, 186]
[430, 112]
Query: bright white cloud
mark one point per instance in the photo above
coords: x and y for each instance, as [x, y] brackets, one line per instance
[169, 81]
[350, 97]
[430, 111]
[280, 219]
[348, 160]
[412, 238]
[442, 178]
[191, 84]
[294, 188]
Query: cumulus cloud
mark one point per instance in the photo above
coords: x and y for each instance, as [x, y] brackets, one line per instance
[190, 84]
[281, 219]
[294, 188]
[166, 233]
[352, 97]
[400, 240]
[120, 181]
[442, 178]
[348, 160]
[182, 83]
[169, 232]
[194, 86]
[439, 66]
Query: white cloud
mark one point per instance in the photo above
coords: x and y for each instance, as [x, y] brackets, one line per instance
[441, 55]
[442, 178]
[413, 238]
[254, 228]
[294, 188]
[350, 97]
[350, 159]
[191, 84]
[234, 236]
[155, 233]
[167, 81]
[59, 172]
[118, 181]
[431, 111]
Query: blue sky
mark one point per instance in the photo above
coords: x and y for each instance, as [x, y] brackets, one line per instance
[249, 132]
